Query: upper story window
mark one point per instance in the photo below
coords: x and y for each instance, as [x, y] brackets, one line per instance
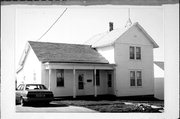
[131, 52]
[138, 53]
[135, 52]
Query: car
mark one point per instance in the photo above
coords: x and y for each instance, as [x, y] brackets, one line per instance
[28, 93]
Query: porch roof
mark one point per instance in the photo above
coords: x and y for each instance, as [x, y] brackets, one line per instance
[79, 66]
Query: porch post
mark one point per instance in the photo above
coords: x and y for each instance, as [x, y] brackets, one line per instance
[114, 80]
[74, 82]
[95, 87]
[50, 73]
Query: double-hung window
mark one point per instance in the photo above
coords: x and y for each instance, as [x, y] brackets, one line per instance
[139, 78]
[134, 52]
[135, 78]
[132, 55]
[132, 78]
[138, 53]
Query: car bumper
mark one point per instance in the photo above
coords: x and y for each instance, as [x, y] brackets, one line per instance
[27, 99]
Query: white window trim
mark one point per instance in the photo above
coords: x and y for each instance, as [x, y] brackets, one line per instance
[136, 78]
[108, 80]
[56, 79]
[135, 53]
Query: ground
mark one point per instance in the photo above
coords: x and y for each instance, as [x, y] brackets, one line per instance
[94, 105]
[53, 107]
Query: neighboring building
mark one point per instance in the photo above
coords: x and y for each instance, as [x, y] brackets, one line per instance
[117, 62]
[159, 80]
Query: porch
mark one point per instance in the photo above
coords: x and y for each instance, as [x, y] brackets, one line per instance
[74, 79]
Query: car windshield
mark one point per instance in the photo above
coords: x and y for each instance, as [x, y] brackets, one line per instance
[35, 87]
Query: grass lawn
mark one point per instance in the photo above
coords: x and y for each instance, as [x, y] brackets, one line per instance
[115, 105]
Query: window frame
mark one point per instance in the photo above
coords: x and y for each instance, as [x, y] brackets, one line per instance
[138, 53]
[136, 78]
[20, 87]
[139, 78]
[97, 78]
[135, 53]
[109, 82]
[130, 52]
[62, 78]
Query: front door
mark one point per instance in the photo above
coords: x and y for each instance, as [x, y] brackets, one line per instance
[84, 82]
[88, 85]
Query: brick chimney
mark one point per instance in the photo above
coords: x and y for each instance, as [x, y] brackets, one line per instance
[110, 26]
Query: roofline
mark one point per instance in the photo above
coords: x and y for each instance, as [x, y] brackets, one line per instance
[106, 64]
[61, 43]
[80, 62]
[19, 69]
[106, 45]
[156, 63]
[23, 59]
[155, 45]
[26, 51]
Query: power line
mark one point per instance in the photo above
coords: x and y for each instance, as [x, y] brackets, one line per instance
[52, 25]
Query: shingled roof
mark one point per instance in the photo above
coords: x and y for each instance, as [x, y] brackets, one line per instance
[109, 38]
[66, 53]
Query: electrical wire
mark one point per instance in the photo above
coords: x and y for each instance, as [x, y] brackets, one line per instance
[52, 25]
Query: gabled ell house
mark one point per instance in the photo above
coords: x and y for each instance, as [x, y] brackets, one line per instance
[117, 62]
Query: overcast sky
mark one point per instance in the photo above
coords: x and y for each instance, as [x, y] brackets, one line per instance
[80, 23]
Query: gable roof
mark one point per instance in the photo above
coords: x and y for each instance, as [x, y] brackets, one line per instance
[159, 64]
[108, 38]
[158, 69]
[66, 53]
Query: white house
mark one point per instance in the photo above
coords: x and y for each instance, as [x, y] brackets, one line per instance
[117, 62]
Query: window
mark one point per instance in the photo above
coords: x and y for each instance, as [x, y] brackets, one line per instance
[81, 81]
[20, 87]
[138, 53]
[132, 78]
[97, 78]
[109, 80]
[35, 86]
[135, 78]
[60, 77]
[132, 54]
[139, 79]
